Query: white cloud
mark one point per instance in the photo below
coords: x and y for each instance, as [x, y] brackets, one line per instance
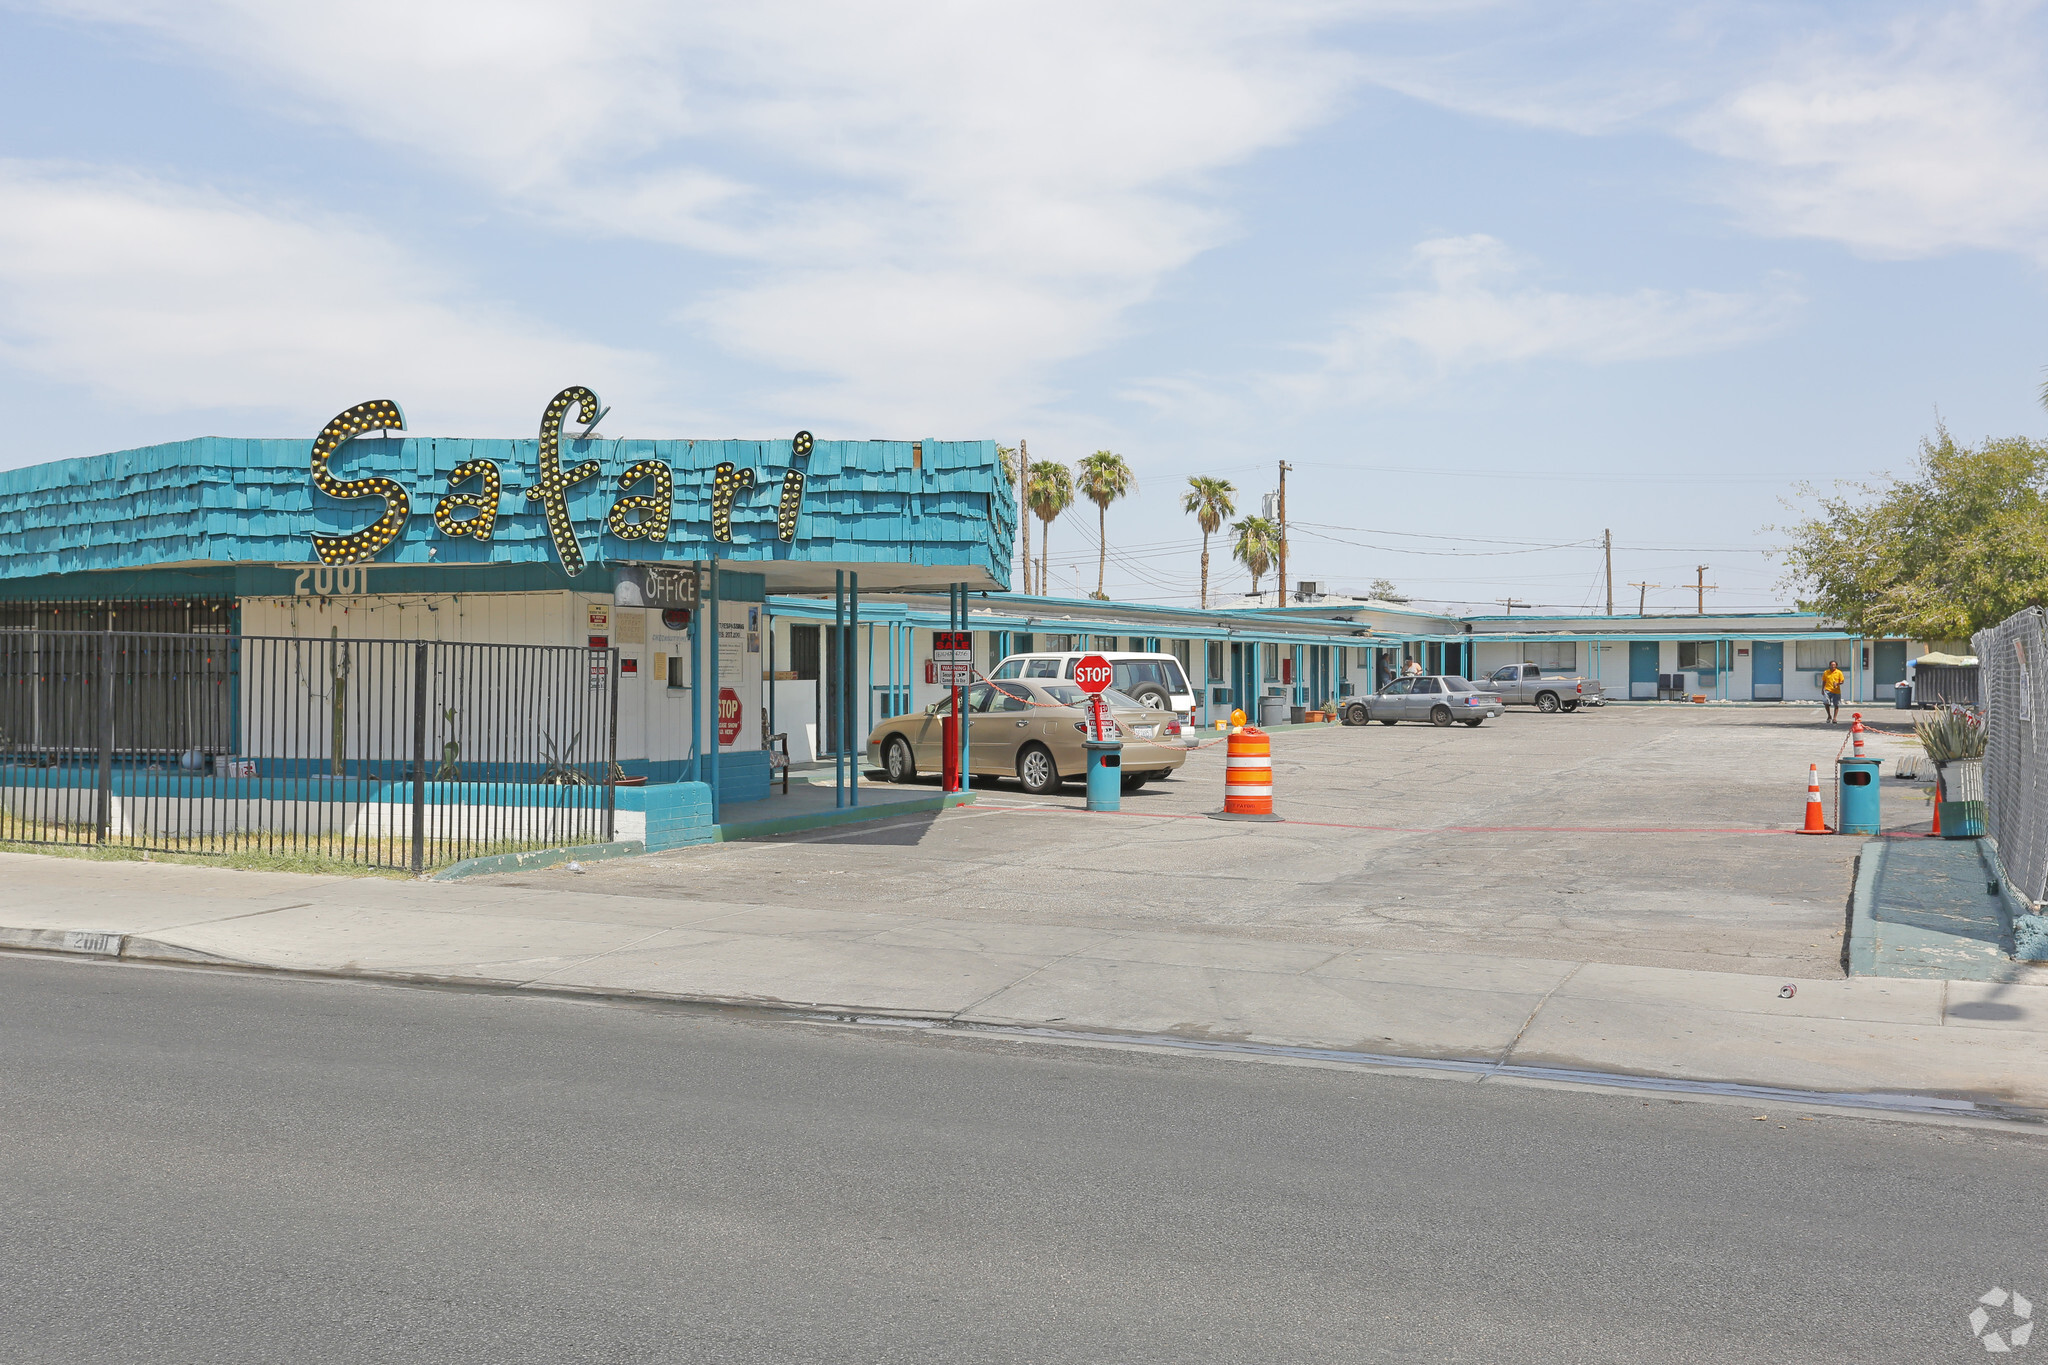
[1926, 135]
[167, 299]
[1476, 307]
[921, 198]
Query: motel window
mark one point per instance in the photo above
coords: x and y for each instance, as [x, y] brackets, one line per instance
[1811, 656]
[1219, 659]
[1269, 660]
[1058, 644]
[1559, 656]
[1184, 650]
[1698, 655]
[1022, 643]
[1104, 642]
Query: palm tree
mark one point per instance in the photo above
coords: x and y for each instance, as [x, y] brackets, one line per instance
[1050, 492]
[1208, 501]
[1257, 540]
[1104, 478]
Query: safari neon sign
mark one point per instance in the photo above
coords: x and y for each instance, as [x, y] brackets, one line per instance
[473, 513]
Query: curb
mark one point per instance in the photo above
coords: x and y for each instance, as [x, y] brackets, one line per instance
[545, 857]
[1903, 1105]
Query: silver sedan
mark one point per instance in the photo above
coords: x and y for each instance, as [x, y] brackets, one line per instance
[1439, 698]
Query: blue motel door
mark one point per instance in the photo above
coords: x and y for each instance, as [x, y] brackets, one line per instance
[1767, 671]
[1642, 670]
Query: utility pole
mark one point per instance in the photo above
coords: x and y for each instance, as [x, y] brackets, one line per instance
[1642, 593]
[1704, 588]
[1284, 467]
[1510, 603]
[1607, 538]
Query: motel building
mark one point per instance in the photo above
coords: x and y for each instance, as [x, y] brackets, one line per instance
[368, 639]
[383, 646]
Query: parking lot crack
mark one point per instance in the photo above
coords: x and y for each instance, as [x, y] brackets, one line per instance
[1516, 1041]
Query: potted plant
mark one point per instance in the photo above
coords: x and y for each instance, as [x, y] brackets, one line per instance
[1954, 739]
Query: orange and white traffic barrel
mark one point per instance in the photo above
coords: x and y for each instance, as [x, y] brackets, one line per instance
[1248, 777]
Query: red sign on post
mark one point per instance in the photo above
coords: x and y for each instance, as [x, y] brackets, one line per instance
[728, 716]
[1092, 674]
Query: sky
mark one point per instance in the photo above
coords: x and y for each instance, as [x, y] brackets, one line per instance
[1493, 277]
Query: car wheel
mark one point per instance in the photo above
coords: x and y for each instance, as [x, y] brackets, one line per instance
[1355, 714]
[1474, 723]
[1133, 781]
[1440, 716]
[1388, 722]
[1571, 706]
[1152, 697]
[1036, 770]
[898, 763]
[1546, 702]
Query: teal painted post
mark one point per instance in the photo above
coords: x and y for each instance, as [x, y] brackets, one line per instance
[696, 687]
[856, 750]
[717, 674]
[768, 625]
[419, 759]
[836, 671]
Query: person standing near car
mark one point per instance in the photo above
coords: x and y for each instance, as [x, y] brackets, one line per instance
[1413, 670]
[1831, 691]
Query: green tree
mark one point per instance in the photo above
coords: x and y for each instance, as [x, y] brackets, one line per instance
[1050, 492]
[1960, 544]
[1384, 590]
[1104, 477]
[1258, 540]
[1209, 502]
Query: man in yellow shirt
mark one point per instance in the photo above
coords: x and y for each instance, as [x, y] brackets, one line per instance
[1831, 691]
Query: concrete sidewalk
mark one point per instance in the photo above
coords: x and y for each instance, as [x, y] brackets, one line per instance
[1983, 1042]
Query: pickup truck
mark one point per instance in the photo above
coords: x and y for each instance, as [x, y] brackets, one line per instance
[1528, 685]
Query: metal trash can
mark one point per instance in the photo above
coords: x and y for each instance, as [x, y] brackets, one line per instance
[1856, 796]
[1105, 773]
[1902, 694]
[1272, 711]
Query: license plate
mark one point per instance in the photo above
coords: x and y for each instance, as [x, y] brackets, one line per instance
[1144, 731]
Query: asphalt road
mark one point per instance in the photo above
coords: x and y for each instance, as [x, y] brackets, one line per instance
[1644, 836]
[222, 1168]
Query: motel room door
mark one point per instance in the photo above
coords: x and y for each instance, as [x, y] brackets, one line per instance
[1642, 670]
[1767, 670]
[1888, 666]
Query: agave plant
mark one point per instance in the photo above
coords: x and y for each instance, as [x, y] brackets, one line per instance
[557, 773]
[1951, 735]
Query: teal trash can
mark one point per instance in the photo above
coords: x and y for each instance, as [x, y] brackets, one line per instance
[1105, 773]
[1856, 796]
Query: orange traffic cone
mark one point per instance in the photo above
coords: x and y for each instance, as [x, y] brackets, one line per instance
[1856, 734]
[1816, 820]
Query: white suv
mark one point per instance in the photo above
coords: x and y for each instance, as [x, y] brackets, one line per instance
[1155, 679]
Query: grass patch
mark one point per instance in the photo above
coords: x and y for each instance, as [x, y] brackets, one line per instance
[332, 860]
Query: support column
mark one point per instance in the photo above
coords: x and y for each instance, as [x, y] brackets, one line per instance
[835, 671]
[717, 673]
[854, 744]
[697, 682]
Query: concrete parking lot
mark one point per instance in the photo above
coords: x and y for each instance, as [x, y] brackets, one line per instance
[1647, 835]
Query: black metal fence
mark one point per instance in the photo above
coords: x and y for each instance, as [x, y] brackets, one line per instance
[394, 753]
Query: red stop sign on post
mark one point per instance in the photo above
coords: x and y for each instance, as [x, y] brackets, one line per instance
[728, 716]
[1092, 674]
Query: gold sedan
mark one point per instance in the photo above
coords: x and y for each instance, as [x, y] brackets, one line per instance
[1032, 731]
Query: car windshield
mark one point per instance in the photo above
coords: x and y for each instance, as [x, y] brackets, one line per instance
[1067, 694]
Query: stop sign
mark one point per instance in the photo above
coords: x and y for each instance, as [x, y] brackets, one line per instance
[1092, 674]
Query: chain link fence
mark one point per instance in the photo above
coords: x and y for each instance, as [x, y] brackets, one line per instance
[2013, 684]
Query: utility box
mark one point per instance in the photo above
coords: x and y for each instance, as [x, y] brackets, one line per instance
[1856, 796]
